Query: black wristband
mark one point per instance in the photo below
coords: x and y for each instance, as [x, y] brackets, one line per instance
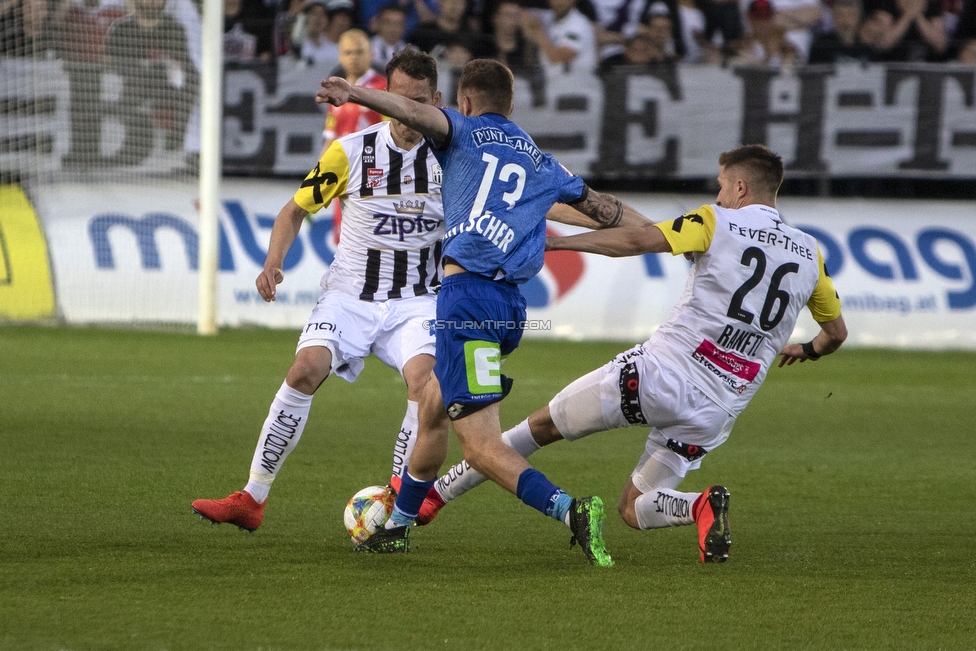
[809, 351]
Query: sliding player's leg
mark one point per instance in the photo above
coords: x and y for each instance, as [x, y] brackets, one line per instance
[461, 477]
[580, 412]
[650, 499]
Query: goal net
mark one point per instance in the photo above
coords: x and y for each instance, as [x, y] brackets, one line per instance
[99, 151]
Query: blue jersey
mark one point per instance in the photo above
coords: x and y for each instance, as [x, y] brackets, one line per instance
[497, 188]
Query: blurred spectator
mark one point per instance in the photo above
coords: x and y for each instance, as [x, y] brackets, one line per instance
[916, 32]
[967, 52]
[950, 15]
[289, 24]
[766, 44]
[355, 59]
[692, 25]
[82, 27]
[342, 17]
[248, 30]
[450, 29]
[389, 27]
[159, 81]
[874, 32]
[417, 11]
[317, 46]
[565, 37]
[660, 21]
[656, 8]
[843, 43]
[511, 46]
[585, 7]
[356, 66]
[240, 45]
[723, 27]
[24, 28]
[620, 19]
[797, 18]
[650, 45]
[965, 28]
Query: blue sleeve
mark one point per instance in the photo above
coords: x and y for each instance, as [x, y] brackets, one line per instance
[570, 187]
[455, 127]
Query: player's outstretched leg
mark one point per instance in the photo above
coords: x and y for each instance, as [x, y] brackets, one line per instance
[586, 517]
[462, 477]
[238, 509]
[280, 434]
[712, 517]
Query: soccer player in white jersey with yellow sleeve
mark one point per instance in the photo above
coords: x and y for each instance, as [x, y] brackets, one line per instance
[751, 276]
[379, 293]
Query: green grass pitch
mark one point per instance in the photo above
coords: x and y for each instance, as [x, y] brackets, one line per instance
[851, 516]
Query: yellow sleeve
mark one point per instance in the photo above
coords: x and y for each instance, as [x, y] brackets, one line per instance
[690, 233]
[824, 304]
[327, 181]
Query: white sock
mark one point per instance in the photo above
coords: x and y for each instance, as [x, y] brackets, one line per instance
[462, 477]
[406, 439]
[663, 507]
[520, 439]
[279, 436]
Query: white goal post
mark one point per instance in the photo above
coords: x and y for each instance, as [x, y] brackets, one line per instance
[210, 162]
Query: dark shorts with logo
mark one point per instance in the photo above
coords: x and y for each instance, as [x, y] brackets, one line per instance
[479, 322]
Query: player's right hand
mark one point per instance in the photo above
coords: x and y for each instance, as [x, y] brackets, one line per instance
[335, 91]
[267, 283]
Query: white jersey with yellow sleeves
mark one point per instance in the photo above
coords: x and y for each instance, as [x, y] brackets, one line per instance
[752, 274]
[392, 214]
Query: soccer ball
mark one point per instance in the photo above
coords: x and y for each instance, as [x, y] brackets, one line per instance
[367, 511]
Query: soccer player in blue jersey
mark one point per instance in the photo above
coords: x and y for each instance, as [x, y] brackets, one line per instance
[497, 188]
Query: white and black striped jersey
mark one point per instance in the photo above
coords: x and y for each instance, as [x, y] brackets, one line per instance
[392, 214]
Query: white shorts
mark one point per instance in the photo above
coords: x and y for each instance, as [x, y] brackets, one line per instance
[638, 389]
[395, 330]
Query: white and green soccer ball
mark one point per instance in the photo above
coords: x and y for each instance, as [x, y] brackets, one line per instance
[367, 511]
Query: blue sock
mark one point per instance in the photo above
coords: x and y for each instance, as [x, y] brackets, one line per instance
[560, 507]
[409, 500]
[541, 494]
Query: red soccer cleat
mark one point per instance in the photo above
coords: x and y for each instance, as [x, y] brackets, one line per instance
[238, 509]
[432, 504]
[395, 482]
[711, 512]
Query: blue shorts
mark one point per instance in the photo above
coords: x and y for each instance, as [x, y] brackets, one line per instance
[479, 322]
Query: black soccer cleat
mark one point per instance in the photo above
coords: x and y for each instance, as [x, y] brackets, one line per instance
[586, 522]
[387, 541]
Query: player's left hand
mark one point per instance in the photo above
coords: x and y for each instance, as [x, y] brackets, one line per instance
[335, 91]
[792, 353]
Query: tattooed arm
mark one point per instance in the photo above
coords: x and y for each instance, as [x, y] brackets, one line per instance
[596, 210]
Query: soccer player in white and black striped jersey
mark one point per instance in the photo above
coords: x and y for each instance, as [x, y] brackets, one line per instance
[379, 290]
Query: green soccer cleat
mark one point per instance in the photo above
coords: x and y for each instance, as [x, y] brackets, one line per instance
[387, 541]
[586, 522]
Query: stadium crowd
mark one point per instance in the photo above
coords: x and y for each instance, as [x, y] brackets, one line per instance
[559, 35]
